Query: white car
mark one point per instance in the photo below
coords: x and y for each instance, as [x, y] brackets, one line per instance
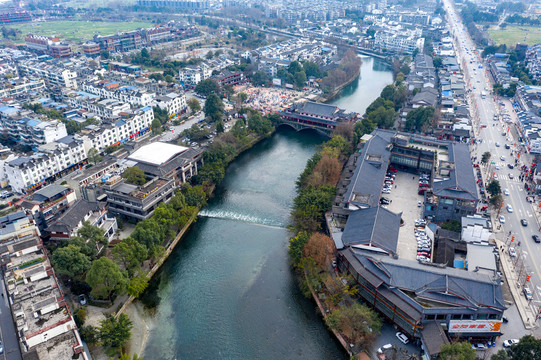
[502, 219]
[510, 342]
[509, 208]
[502, 158]
[506, 192]
[512, 252]
[402, 337]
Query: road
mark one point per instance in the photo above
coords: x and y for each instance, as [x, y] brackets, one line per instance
[7, 329]
[496, 133]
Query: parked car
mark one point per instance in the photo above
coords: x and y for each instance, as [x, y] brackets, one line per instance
[512, 252]
[502, 219]
[527, 293]
[510, 342]
[402, 337]
[479, 346]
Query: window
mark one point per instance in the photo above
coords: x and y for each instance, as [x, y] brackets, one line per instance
[441, 317]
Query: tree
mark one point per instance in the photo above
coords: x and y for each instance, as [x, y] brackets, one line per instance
[318, 247]
[105, 278]
[195, 196]
[92, 234]
[260, 78]
[370, 32]
[418, 118]
[457, 351]
[130, 254]
[485, 158]
[156, 126]
[214, 107]
[207, 87]
[326, 172]
[300, 79]
[70, 261]
[194, 105]
[438, 62]
[134, 175]
[528, 348]
[137, 285]
[114, 332]
[94, 156]
[494, 188]
[296, 246]
[169, 79]
[259, 124]
[359, 322]
[209, 55]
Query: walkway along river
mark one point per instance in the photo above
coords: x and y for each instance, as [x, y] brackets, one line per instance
[227, 291]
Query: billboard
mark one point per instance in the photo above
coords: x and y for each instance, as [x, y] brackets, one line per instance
[474, 326]
[289, 86]
[276, 82]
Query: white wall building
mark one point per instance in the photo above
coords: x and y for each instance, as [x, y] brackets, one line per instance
[52, 74]
[173, 102]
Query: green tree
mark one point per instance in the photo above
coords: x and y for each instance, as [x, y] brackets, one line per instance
[114, 332]
[494, 188]
[528, 348]
[239, 129]
[259, 124]
[418, 118]
[94, 156]
[92, 234]
[296, 245]
[300, 79]
[312, 69]
[169, 79]
[207, 87]
[457, 351]
[438, 62]
[214, 107]
[134, 175]
[156, 126]
[485, 158]
[70, 261]
[194, 105]
[105, 278]
[195, 196]
[130, 254]
[137, 285]
[359, 321]
[260, 78]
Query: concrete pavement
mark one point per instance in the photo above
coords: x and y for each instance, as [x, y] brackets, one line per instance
[8, 332]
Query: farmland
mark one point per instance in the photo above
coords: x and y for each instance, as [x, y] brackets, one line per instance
[511, 35]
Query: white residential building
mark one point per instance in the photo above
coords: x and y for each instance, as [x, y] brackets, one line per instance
[26, 128]
[112, 90]
[105, 108]
[21, 86]
[173, 102]
[52, 74]
[395, 42]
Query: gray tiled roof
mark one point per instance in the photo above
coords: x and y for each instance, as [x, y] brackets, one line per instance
[370, 171]
[376, 226]
[461, 183]
[49, 191]
[451, 286]
[73, 216]
[319, 109]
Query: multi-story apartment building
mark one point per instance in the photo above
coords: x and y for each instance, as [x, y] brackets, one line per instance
[48, 45]
[116, 131]
[194, 75]
[120, 42]
[104, 108]
[27, 173]
[20, 86]
[139, 202]
[156, 35]
[398, 43]
[44, 324]
[26, 128]
[194, 5]
[52, 74]
[174, 103]
[91, 49]
[113, 90]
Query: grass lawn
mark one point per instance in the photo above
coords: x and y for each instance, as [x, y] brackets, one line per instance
[516, 34]
[77, 31]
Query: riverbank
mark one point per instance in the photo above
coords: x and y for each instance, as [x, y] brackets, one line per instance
[134, 309]
[336, 92]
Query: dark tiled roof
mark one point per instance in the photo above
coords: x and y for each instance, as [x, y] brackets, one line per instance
[73, 216]
[49, 192]
[370, 171]
[376, 227]
[461, 183]
[319, 109]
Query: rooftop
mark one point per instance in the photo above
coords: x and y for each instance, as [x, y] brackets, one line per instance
[156, 153]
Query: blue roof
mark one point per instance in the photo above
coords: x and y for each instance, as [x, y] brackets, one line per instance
[120, 123]
[33, 122]
[8, 110]
[146, 108]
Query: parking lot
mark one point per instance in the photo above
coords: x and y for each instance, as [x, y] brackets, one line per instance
[404, 199]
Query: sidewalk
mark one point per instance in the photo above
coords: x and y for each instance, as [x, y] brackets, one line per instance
[528, 317]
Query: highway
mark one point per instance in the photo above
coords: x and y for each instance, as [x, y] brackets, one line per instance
[494, 122]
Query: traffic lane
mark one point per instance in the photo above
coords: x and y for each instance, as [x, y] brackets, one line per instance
[7, 329]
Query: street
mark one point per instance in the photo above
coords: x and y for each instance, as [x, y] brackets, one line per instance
[494, 122]
[8, 334]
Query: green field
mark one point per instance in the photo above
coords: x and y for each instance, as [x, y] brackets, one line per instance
[77, 31]
[516, 34]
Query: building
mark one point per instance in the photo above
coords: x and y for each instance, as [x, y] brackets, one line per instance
[138, 202]
[113, 90]
[91, 49]
[121, 42]
[156, 35]
[48, 45]
[48, 203]
[26, 129]
[20, 87]
[166, 160]
[68, 224]
[316, 115]
[14, 16]
[193, 5]
[174, 103]
[399, 43]
[227, 77]
[468, 305]
[102, 107]
[43, 320]
[52, 74]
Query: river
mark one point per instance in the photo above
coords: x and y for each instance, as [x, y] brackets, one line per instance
[227, 291]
